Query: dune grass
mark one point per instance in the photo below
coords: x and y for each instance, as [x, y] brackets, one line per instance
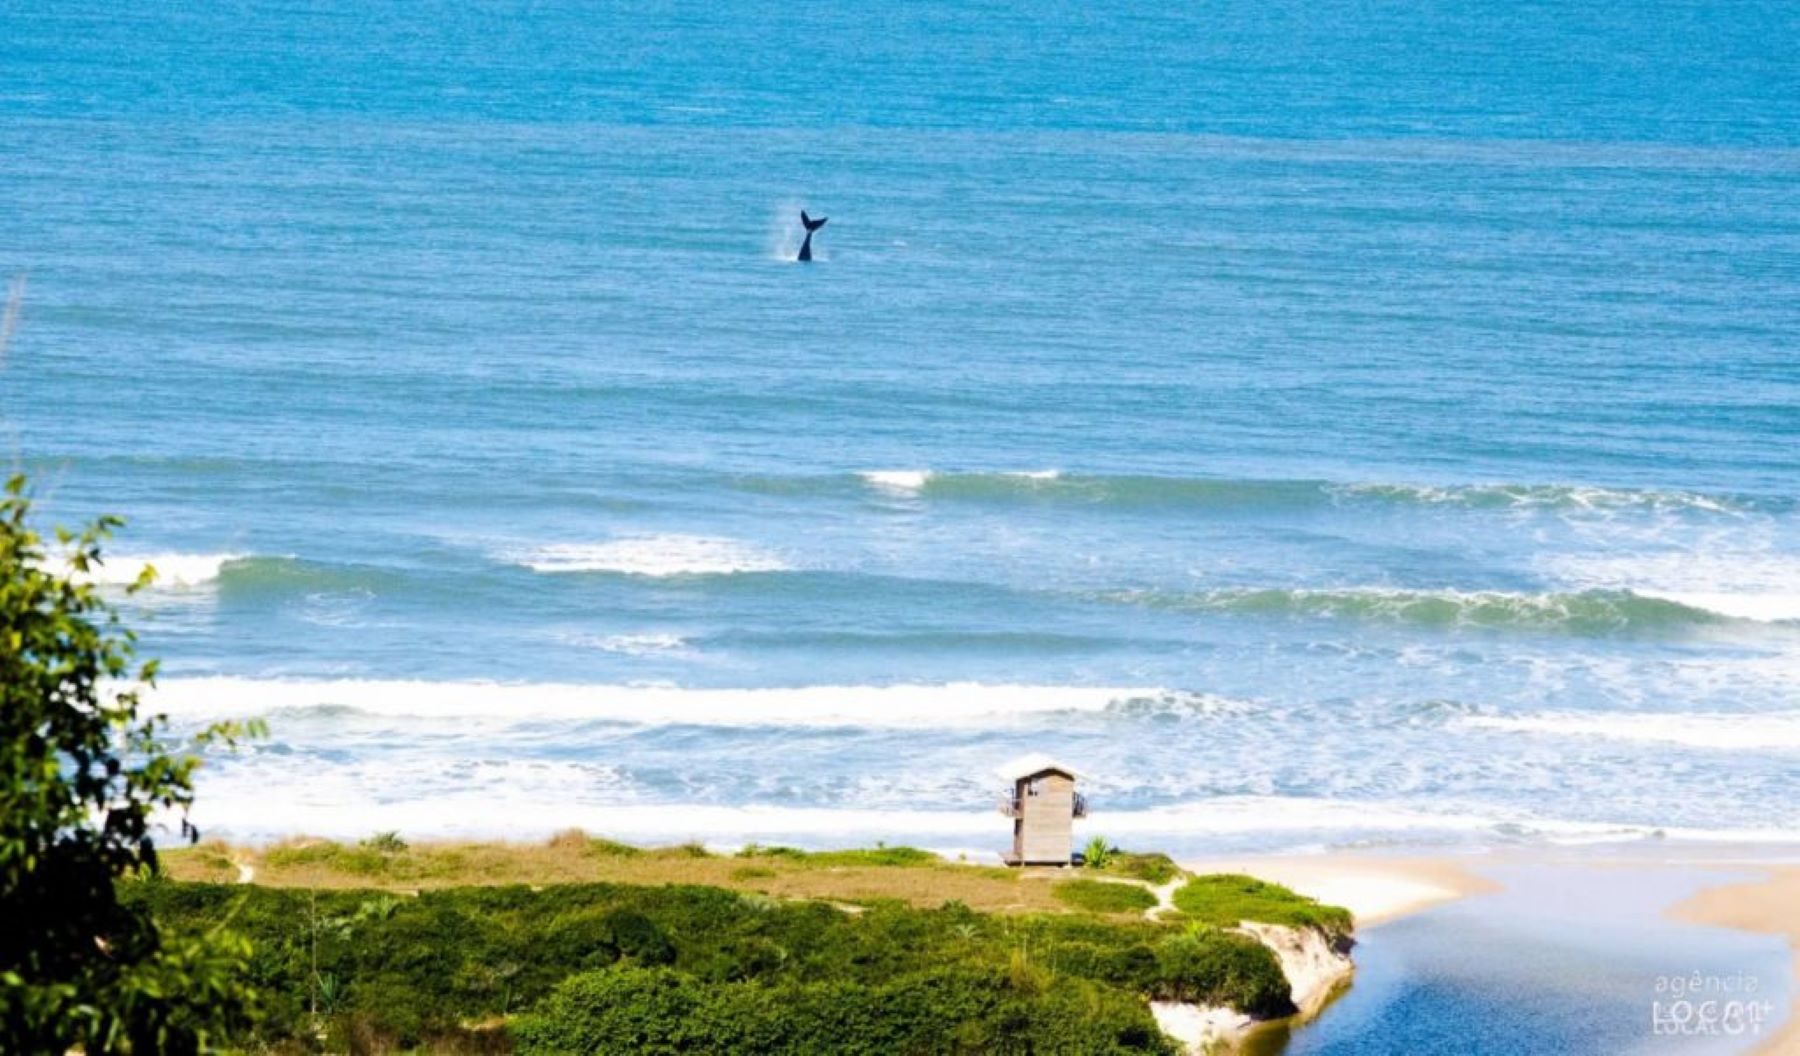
[907, 874]
[1154, 867]
[1227, 899]
[1103, 896]
[386, 862]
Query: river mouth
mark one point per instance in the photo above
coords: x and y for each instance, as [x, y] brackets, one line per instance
[1561, 958]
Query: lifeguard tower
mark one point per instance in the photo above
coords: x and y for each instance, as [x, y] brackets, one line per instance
[1043, 804]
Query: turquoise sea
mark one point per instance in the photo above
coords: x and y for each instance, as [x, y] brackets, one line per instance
[1319, 425]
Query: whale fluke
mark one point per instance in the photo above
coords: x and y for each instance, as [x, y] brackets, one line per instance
[811, 225]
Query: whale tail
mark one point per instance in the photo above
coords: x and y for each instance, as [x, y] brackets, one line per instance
[811, 225]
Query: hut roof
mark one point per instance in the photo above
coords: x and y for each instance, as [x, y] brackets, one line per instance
[1031, 766]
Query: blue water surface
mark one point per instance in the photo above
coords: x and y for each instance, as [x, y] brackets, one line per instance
[1376, 422]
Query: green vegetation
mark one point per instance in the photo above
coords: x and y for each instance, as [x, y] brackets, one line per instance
[82, 776]
[1226, 899]
[949, 1010]
[385, 843]
[1155, 868]
[448, 967]
[572, 857]
[882, 856]
[1104, 896]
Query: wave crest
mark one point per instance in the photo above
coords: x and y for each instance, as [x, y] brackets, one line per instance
[653, 555]
[1588, 612]
[907, 705]
[1779, 731]
[173, 570]
[1137, 491]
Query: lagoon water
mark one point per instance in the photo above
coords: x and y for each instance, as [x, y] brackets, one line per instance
[1563, 960]
[1320, 428]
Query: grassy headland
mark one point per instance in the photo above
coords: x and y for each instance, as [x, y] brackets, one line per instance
[585, 945]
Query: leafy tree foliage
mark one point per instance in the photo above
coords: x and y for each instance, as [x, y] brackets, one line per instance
[84, 779]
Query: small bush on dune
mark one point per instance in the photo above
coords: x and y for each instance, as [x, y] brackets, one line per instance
[1155, 868]
[681, 850]
[599, 848]
[384, 843]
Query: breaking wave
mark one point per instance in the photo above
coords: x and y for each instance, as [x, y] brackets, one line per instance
[1773, 731]
[172, 570]
[652, 555]
[952, 704]
[1138, 491]
[533, 805]
[1587, 612]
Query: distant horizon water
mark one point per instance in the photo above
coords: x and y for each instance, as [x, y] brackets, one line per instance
[1339, 430]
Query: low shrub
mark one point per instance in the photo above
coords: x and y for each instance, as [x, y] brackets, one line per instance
[593, 846]
[947, 1010]
[384, 843]
[424, 971]
[1213, 967]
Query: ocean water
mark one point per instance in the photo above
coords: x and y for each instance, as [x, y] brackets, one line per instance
[1319, 427]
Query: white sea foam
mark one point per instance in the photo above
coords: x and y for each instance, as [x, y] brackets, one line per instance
[1037, 474]
[953, 704]
[1741, 578]
[1760, 607]
[900, 480]
[642, 644]
[1771, 731]
[1538, 496]
[629, 644]
[526, 802]
[173, 570]
[653, 555]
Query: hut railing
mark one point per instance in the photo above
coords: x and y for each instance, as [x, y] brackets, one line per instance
[1012, 807]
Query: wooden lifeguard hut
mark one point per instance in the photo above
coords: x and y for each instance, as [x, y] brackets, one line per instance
[1043, 804]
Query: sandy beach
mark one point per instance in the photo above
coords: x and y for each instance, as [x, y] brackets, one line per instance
[1770, 904]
